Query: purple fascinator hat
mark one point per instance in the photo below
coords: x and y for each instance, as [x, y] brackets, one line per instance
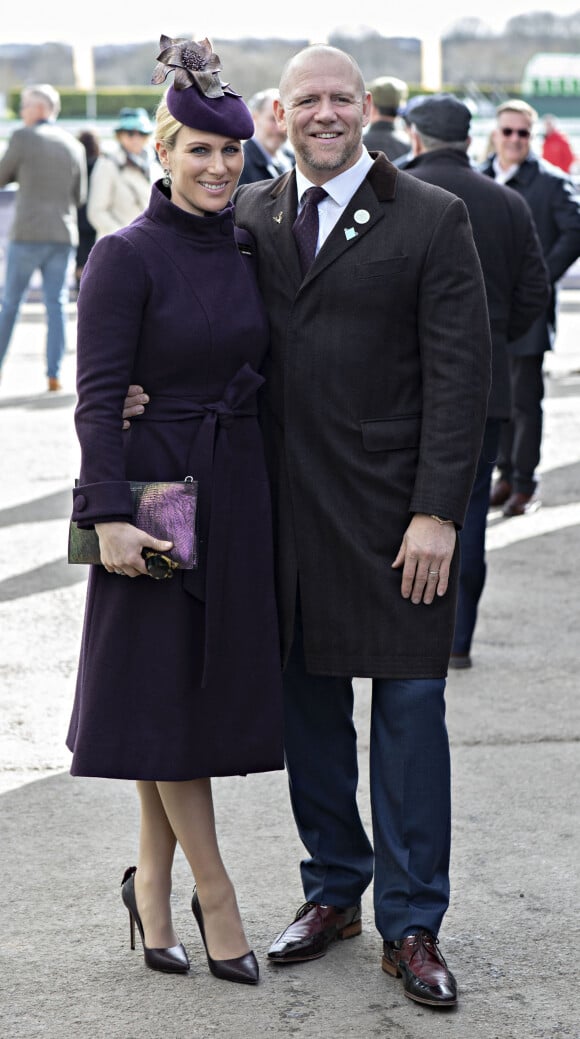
[197, 97]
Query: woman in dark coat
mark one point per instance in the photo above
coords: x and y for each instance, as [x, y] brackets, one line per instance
[179, 680]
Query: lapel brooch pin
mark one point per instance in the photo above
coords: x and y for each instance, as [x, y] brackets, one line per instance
[278, 218]
[350, 232]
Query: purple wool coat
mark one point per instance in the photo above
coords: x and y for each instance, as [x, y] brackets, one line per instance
[177, 679]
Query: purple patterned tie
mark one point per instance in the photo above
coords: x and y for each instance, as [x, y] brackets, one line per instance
[305, 227]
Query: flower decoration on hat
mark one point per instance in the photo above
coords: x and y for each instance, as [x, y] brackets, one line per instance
[194, 64]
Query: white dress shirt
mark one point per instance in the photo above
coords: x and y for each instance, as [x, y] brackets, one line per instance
[501, 175]
[340, 190]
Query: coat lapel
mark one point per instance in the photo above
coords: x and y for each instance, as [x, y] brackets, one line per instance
[363, 212]
[280, 214]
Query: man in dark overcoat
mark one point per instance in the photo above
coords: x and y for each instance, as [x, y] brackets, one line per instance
[264, 155]
[388, 95]
[555, 207]
[518, 291]
[373, 416]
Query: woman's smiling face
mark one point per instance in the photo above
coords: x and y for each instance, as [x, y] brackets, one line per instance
[205, 169]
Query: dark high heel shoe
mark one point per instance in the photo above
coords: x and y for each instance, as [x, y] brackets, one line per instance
[243, 968]
[173, 960]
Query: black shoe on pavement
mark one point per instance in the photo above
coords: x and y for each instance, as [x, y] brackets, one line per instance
[426, 976]
[312, 931]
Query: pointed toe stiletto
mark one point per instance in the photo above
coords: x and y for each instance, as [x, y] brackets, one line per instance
[171, 961]
[243, 969]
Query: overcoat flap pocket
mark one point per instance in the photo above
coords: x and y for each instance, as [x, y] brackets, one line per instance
[391, 434]
[382, 268]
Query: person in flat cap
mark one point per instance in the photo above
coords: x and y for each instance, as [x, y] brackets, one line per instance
[121, 179]
[441, 116]
[388, 94]
[179, 680]
[517, 289]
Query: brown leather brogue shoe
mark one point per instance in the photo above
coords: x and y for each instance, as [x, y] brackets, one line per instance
[312, 931]
[500, 493]
[521, 504]
[426, 976]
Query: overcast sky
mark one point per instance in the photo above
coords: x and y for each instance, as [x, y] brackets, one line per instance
[117, 21]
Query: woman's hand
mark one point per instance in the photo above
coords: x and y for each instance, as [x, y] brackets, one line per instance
[121, 545]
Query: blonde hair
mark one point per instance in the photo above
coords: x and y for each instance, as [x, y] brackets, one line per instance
[166, 126]
[521, 107]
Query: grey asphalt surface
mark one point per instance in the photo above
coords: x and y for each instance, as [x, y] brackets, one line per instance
[512, 932]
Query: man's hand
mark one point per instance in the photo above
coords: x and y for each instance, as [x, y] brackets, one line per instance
[425, 555]
[133, 405]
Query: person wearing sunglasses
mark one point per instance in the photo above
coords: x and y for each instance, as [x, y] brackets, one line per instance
[517, 290]
[122, 177]
[555, 207]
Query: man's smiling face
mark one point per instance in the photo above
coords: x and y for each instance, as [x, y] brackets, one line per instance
[323, 107]
[512, 138]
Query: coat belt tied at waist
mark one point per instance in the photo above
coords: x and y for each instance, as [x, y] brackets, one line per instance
[209, 462]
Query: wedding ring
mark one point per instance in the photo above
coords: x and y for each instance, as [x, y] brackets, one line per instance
[120, 572]
[433, 573]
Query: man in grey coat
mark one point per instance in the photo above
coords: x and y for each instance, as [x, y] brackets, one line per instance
[49, 166]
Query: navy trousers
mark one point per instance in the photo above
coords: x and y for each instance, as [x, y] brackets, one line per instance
[472, 540]
[409, 788]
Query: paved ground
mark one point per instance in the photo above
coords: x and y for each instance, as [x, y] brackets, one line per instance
[512, 931]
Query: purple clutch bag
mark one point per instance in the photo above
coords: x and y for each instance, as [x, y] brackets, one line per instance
[164, 510]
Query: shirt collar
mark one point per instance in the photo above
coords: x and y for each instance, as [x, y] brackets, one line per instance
[342, 187]
[501, 174]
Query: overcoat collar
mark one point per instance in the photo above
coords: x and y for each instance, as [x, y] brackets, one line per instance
[525, 174]
[437, 156]
[379, 186]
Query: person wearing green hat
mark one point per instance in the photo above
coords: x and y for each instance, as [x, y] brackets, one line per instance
[121, 179]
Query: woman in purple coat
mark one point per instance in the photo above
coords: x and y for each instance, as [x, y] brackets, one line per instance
[179, 680]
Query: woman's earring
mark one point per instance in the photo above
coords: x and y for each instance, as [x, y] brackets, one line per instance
[166, 179]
